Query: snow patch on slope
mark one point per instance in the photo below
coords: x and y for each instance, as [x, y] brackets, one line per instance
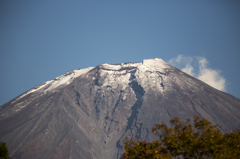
[66, 78]
[58, 81]
[155, 64]
[111, 67]
[149, 73]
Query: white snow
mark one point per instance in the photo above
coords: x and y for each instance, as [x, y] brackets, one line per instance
[58, 81]
[111, 67]
[131, 64]
[155, 64]
[147, 73]
[115, 77]
[66, 78]
[120, 66]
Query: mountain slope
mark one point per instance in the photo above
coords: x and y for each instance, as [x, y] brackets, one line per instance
[87, 113]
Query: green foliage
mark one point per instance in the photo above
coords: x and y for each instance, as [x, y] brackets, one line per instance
[4, 154]
[202, 140]
[140, 149]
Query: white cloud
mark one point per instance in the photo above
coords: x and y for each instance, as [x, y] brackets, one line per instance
[188, 69]
[180, 59]
[203, 73]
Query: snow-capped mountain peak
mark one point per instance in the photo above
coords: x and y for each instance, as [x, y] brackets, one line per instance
[87, 113]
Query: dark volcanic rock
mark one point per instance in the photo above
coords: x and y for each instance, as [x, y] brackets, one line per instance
[87, 113]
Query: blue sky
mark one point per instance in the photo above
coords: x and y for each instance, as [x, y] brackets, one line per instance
[40, 40]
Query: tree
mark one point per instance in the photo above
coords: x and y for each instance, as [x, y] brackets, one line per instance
[198, 140]
[4, 154]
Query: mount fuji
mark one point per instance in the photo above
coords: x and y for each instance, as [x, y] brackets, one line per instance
[87, 113]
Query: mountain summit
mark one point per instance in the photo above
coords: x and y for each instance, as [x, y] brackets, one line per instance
[87, 113]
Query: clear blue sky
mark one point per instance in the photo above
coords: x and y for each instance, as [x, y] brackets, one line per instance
[40, 40]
